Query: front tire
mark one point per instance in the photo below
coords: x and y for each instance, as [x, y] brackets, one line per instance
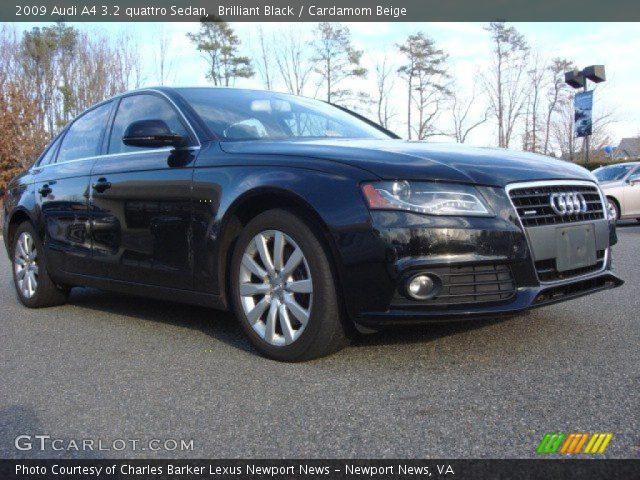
[283, 289]
[614, 210]
[34, 287]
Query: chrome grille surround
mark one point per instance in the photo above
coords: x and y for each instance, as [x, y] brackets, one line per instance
[551, 204]
[566, 186]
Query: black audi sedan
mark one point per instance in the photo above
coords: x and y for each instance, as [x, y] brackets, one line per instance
[309, 221]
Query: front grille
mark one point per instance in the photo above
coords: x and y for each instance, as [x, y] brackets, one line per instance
[468, 284]
[534, 207]
[546, 269]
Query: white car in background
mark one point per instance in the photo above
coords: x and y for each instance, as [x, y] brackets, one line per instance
[621, 185]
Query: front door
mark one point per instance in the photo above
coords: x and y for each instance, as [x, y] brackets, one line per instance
[141, 202]
[62, 192]
[632, 195]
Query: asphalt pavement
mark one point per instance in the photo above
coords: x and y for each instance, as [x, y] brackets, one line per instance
[112, 369]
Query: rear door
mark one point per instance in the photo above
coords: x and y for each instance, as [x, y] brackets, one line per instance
[141, 201]
[62, 191]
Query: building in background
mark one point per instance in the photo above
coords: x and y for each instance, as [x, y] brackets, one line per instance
[629, 149]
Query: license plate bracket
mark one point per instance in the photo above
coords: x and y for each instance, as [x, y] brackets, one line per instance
[575, 247]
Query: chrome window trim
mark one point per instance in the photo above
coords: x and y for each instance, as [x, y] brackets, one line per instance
[632, 172]
[552, 183]
[120, 154]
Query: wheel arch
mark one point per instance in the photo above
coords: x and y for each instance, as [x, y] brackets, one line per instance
[616, 201]
[16, 218]
[255, 202]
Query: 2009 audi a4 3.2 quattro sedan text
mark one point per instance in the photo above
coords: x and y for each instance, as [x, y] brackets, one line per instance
[306, 219]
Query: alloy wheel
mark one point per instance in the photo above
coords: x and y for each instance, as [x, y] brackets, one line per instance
[276, 289]
[613, 210]
[25, 263]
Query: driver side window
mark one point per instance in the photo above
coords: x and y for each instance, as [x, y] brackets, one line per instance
[142, 107]
[634, 177]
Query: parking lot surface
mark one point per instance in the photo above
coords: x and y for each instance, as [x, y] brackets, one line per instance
[109, 367]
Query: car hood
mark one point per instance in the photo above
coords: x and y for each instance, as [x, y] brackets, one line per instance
[399, 159]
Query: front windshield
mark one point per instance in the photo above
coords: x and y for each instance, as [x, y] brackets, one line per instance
[612, 173]
[255, 115]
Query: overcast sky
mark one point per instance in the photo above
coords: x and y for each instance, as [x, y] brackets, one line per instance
[616, 45]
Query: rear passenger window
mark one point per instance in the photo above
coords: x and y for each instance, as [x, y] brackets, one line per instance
[50, 156]
[83, 137]
[142, 107]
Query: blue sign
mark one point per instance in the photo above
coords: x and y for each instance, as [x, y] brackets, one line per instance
[583, 104]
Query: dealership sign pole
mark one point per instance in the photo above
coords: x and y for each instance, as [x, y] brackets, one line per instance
[583, 101]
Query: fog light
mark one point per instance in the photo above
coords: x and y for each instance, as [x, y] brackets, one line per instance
[420, 287]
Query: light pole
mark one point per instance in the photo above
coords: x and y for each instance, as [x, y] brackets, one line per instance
[578, 79]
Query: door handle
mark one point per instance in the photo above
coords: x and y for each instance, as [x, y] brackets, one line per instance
[101, 185]
[45, 190]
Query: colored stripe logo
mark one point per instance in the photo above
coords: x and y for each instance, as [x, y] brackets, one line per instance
[573, 443]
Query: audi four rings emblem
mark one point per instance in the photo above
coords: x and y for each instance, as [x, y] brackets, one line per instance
[568, 203]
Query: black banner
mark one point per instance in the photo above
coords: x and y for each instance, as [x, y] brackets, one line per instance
[320, 469]
[317, 10]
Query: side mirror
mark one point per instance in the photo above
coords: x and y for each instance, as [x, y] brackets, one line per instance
[151, 134]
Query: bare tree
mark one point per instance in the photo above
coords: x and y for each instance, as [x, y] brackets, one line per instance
[336, 59]
[72, 70]
[461, 111]
[164, 62]
[384, 84]
[538, 78]
[264, 64]
[555, 94]
[294, 60]
[10, 67]
[427, 82]
[39, 49]
[505, 83]
[220, 46]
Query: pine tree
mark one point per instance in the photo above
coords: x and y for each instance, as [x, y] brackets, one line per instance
[219, 45]
[336, 59]
[427, 82]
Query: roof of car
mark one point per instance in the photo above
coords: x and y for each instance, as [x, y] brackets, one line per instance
[163, 88]
[618, 164]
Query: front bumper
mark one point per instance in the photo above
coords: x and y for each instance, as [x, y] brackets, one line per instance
[471, 250]
[525, 298]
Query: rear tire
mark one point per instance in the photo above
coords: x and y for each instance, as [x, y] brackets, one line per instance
[34, 287]
[290, 313]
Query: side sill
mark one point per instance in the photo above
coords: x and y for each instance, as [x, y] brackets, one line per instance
[143, 290]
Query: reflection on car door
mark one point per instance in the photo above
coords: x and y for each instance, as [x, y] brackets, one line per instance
[62, 191]
[141, 201]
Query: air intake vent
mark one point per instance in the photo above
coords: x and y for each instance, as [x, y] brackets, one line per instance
[534, 204]
[546, 269]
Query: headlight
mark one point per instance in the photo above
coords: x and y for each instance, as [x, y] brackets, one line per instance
[428, 198]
